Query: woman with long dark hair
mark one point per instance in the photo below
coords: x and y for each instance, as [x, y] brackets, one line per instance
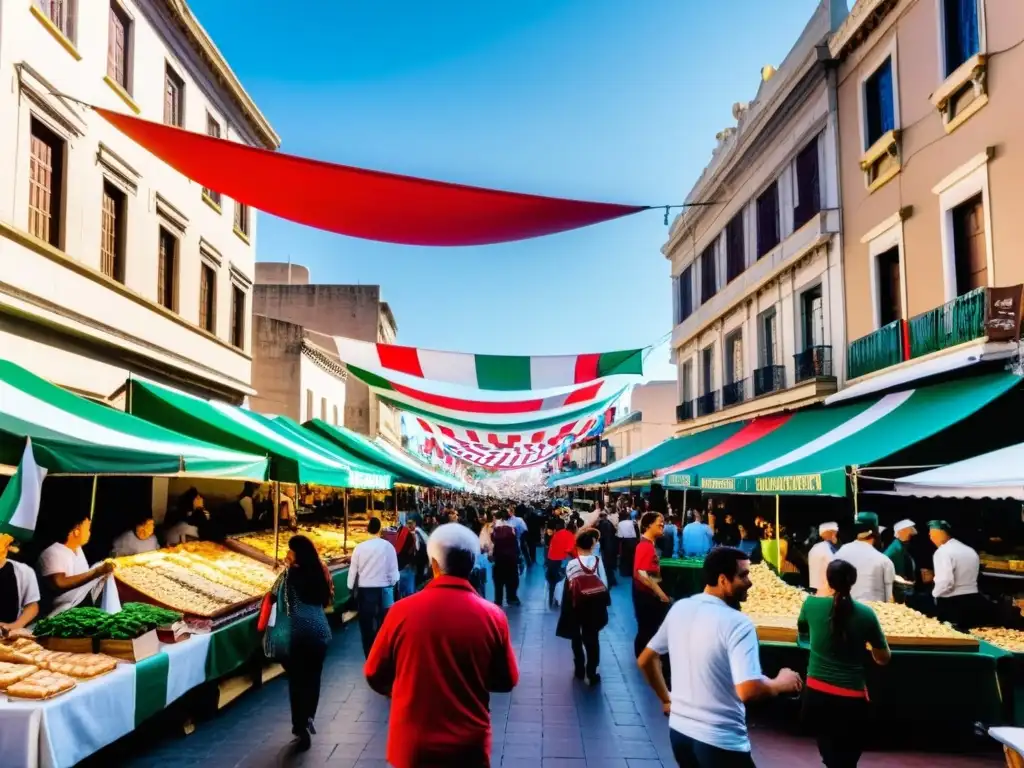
[309, 590]
[835, 703]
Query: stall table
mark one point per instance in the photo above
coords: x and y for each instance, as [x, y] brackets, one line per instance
[682, 576]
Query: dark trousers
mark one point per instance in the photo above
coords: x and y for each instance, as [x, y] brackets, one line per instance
[627, 548]
[529, 550]
[838, 724]
[304, 667]
[586, 640]
[690, 753]
[370, 602]
[506, 579]
[554, 573]
[611, 563]
[650, 612]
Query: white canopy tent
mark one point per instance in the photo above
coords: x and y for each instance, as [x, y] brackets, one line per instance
[995, 475]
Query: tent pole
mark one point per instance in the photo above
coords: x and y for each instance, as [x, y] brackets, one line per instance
[344, 541]
[778, 536]
[277, 518]
[853, 482]
[684, 507]
[92, 501]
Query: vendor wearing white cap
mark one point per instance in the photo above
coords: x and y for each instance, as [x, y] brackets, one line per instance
[899, 550]
[822, 554]
[956, 577]
[875, 571]
[19, 589]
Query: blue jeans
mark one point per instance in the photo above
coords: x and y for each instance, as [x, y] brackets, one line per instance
[407, 581]
[373, 606]
[690, 753]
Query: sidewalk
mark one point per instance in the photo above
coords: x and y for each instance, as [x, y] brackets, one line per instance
[618, 724]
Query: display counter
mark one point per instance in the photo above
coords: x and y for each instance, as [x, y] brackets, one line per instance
[330, 539]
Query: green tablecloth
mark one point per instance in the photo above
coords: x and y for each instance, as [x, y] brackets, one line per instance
[341, 593]
[682, 577]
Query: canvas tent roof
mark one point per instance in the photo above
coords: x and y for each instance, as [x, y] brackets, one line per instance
[995, 475]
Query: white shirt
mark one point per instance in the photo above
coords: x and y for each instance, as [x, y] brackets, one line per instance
[374, 564]
[575, 569]
[130, 544]
[28, 584]
[956, 570]
[590, 518]
[712, 648]
[179, 533]
[818, 558]
[246, 504]
[875, 571]
[486, 543]
[626, 530]
[57, 558]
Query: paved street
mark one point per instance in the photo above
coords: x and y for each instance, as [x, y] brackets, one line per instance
[617, 725]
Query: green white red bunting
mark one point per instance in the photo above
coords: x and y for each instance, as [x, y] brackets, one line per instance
[506, 373]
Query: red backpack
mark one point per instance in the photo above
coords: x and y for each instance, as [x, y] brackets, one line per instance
[506, 545]
[587, 585]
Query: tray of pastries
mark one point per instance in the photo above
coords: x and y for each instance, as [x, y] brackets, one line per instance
[905, 627]
[41, 685]
[1011, 640]
[83, 666]
[330, 541]
[13, 673]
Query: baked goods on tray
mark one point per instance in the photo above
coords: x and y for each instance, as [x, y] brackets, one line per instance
[13, 673]
[41, 685]
[80, 665]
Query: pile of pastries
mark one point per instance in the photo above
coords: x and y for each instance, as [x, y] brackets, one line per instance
[199, 578]
[771, 602]
[899, 621]
[1008, 639]
[38, 684]
[329, 540]
[29, 671]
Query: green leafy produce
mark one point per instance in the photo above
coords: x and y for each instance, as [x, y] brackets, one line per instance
[133, 620]
[75, 622]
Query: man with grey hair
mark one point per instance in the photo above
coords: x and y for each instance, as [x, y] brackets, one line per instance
[439, 656]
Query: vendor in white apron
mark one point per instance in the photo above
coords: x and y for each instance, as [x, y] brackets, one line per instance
[956, 578]
[822, 554]
[68, 575]
[19, 589]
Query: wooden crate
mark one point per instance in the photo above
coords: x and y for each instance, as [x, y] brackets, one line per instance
[68, 644]
[965, 643]
[142, 647]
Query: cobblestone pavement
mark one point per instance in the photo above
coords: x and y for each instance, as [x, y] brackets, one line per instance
[549, 721]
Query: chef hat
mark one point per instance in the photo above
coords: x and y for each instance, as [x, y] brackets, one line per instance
[825, 527]
[940, 525]
[903, 525]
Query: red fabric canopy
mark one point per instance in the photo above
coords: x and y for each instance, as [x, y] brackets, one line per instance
[357, 202]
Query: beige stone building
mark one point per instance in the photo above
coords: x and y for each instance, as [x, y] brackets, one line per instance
[283, 292]
[930, 119]
[111, 262]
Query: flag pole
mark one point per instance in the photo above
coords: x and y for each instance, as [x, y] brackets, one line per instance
[778, 536]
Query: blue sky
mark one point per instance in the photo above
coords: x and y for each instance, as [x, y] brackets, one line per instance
[612, 100]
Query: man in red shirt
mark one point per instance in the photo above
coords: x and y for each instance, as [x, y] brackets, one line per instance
[650, 603]
[439, 656]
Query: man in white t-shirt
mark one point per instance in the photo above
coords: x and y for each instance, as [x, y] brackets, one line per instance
[19, 589]
[713, 653]
[67, 572]
[875, 571]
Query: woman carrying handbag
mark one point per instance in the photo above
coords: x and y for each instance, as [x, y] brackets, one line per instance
[296, 632]
[585, 604]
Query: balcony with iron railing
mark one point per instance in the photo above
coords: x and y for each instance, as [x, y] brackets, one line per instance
[734, 393]
[684, 411]
[708, 403]
[876, 351]
[770, 378]
[813, 363]
[955, 322]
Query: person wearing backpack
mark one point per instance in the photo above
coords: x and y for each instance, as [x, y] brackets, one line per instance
[585, 605]
[506, 560]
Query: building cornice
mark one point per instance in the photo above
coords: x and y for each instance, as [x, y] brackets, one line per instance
[863, 19]
[324, 360]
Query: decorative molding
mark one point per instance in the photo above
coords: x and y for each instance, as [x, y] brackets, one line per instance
[122, 94]
[240, 278]
[862, 20]
[241, 235]
[43, 94]
[114, 166]
[971, 74]
[64, 41]
[211, 202]
[885, 225]
[208, 252]
[965, 170]
[169, 213]
[324, 360]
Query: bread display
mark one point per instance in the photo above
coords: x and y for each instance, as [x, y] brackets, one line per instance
[330, 541]
[1008, 639]
[903, 625]
[41, 684]
[80, 665]
[13, 673]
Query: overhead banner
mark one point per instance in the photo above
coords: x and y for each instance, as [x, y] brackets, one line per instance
[497, 459]
[552, 437]
[507, 373]
[357, 202]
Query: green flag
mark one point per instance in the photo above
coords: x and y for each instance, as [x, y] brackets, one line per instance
[19, 503]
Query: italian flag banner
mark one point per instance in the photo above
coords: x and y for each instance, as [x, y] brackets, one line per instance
[19, 503]
[501, 460]
[512, 442]
[503, 373]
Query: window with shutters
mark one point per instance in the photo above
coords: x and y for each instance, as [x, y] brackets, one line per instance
[970, 252]
[207, 298]
[808, 186]
[119, 46]
[112, 228]
[45, 184]
[890, 291]
[685, 294]
[707, 368]
[708, 274]
[735, 248]
[174, 98]
[237, 317]
[768, 228]
[767, 353]
[167, 270]
[687, 381]
[212, 129]
[62, 14]
[242, 219]
[734, 357]
[812, 310]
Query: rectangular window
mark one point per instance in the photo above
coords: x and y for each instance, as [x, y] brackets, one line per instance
[62, 13]
[708, 275]
[212, 129]
[45, 183]
[167, 271]
[813, 311]
[879, 104]
[768, 219]
[112, 227]
[734, 357]
[735, 248]
[808, 185]
[686, 293]
[207, 298]
[707, 365]
[174, 98]
[237, 317]
[118, 46]
[970, 252]
[962, 27]
[688, 381]
[309, 404]
[242, 218]
[767, 352]
[890, 291]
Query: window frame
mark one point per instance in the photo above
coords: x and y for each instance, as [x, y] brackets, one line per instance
[242, 221]
[761, 250]
[961, 185]
[945, 72]
[69, 27]
[729, 373]
[57, 211]
[161, 268]
[885, 239]
[709, 256]
[207, 317]
[121, 13]
[763, 361]
[238, 310]
[868, 69]
[707, 353]
[171, 76]
[119, 268]
[211, 195]
[736, 224]
[814, 286]
[815, 143]
[685, 297]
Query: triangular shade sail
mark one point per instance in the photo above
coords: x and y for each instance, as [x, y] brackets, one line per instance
[72, 435]
[808, 452]
[405, 470]
[291, 460]
[362, 474]
[358, 202]
[995, 475]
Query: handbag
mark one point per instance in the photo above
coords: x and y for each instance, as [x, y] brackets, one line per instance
[587, 585]
[278, 633]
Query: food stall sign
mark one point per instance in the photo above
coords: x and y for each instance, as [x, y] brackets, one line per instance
[1003, 313]
[678, 480]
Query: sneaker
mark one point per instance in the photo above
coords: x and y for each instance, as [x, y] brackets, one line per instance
[303, 742]
[310, 727]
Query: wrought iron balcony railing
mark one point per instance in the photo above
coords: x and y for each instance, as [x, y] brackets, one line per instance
[708, 403]
[813, 363]
[770, 378]
[734, 392]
